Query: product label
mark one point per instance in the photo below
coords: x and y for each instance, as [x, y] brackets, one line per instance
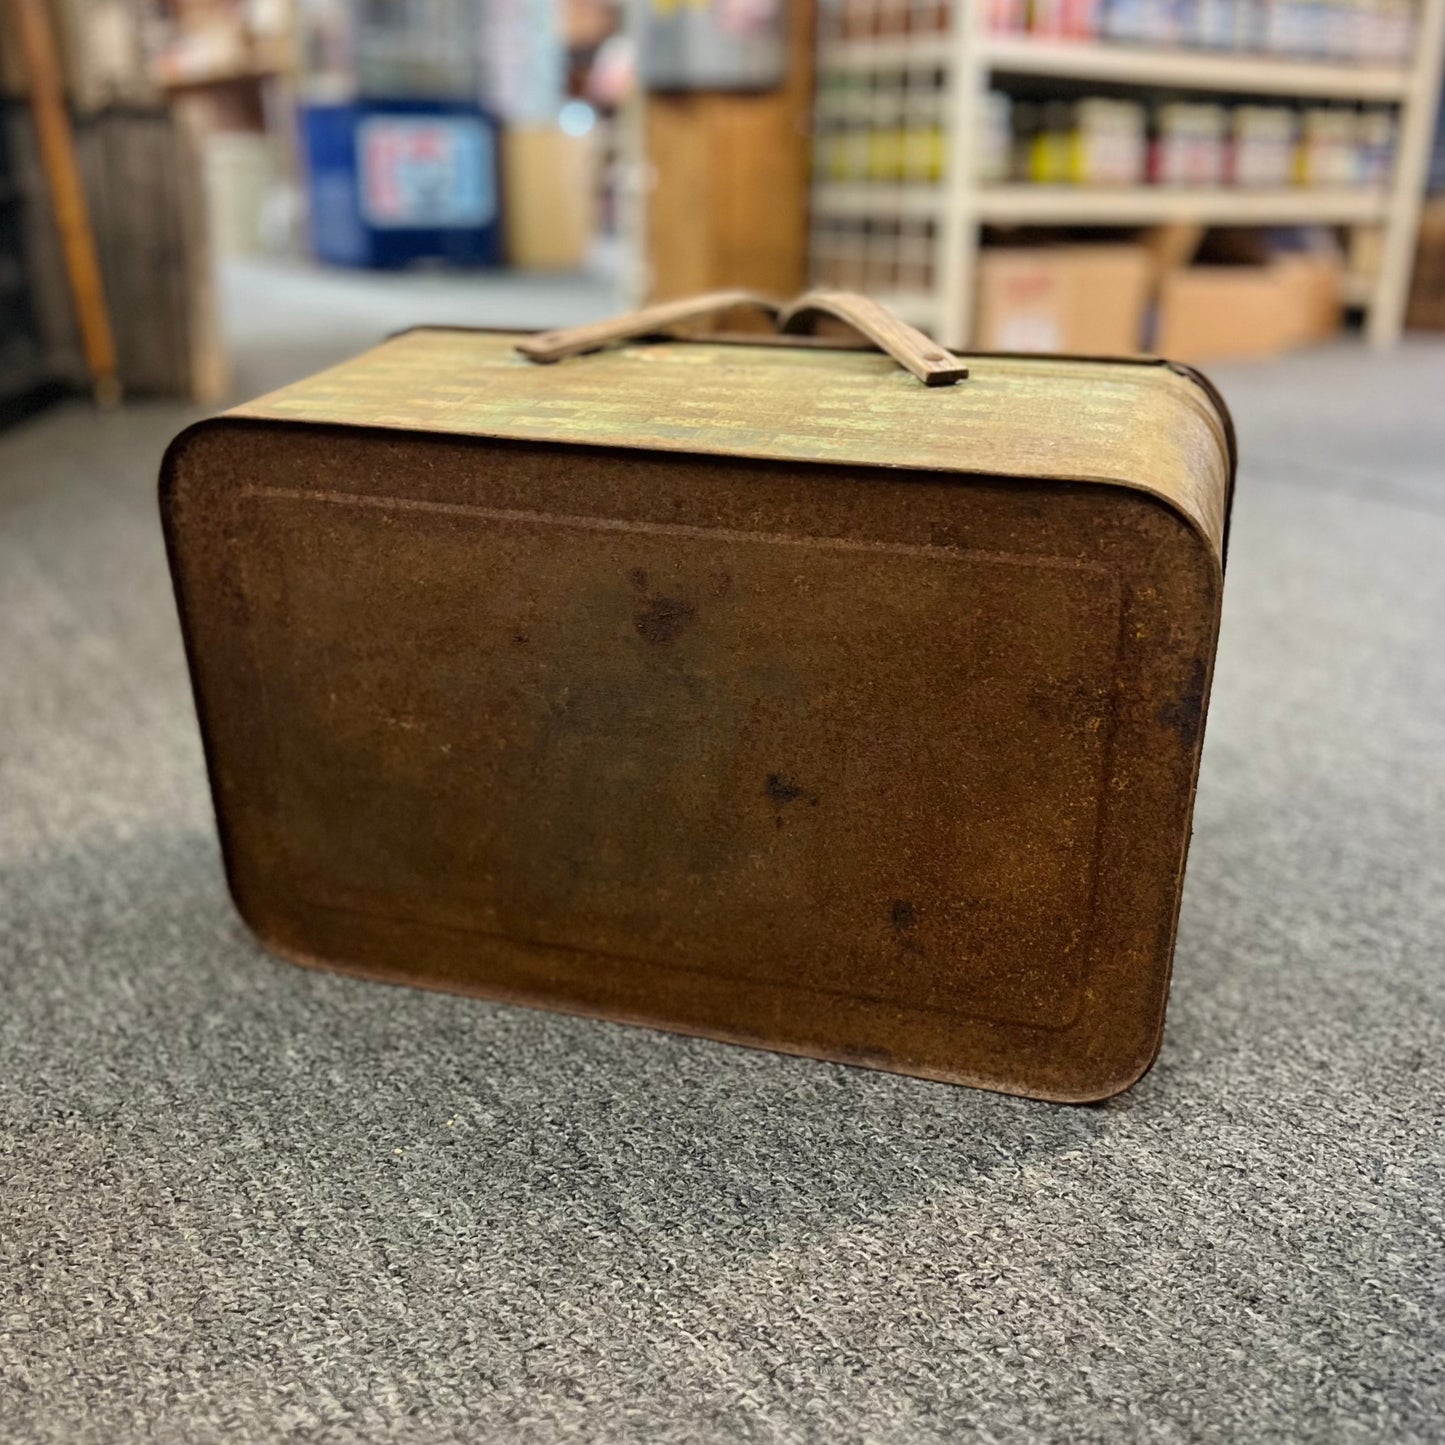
[426, 172]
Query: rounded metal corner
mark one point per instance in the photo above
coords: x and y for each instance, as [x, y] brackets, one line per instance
[175, 453]
[1217, 401]
[1113, 1084]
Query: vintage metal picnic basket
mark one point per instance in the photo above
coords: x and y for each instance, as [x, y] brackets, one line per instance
[745, 687]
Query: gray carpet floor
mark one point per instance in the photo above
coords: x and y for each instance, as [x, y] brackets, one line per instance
[243, 1202]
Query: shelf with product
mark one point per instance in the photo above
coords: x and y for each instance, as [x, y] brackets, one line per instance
[935, 121]
[1027, 54]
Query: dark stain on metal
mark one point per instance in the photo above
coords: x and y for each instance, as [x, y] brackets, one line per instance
[1185, 714]
[662, 619]
[904, 918]
[783, 790]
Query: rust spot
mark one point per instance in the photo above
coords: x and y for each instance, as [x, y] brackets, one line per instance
[1185, 714]
[720, 583]
[782, 789]
[663, 618]
[520, 638]
[638, 578]
[904, 918]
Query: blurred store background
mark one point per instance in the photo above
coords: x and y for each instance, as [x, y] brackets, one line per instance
[270, 183]
[247, 1203]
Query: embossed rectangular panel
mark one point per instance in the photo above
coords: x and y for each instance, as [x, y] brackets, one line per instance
[889, 765]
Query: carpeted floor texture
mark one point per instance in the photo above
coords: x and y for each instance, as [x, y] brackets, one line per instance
[241, 1202]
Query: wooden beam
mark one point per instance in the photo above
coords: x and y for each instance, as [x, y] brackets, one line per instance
[67, 196]
[728, 201]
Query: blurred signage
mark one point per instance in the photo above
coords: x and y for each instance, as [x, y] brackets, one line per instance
[714, 44]
[426, 172]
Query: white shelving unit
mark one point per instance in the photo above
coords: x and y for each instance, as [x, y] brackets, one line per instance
[939, 224]
[1033, 205]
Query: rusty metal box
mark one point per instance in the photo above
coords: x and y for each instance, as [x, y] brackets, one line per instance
[751, 691]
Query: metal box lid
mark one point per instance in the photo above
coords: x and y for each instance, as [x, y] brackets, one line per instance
[744, 690]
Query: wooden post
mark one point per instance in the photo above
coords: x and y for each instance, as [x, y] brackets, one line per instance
[728, 200]
[67, 196]
[1386, 317]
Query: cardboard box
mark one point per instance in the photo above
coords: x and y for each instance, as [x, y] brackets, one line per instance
[1221, 313]
[1080, 300]
[549, 185]
[1315, 286]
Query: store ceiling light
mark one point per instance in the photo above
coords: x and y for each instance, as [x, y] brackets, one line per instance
[577, 117]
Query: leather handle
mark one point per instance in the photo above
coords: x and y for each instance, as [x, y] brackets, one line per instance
[908, 346]
[554, 345]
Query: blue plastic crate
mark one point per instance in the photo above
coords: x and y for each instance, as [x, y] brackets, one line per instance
[397, 181]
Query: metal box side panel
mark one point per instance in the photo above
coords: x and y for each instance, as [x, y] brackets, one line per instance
[448, 687]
